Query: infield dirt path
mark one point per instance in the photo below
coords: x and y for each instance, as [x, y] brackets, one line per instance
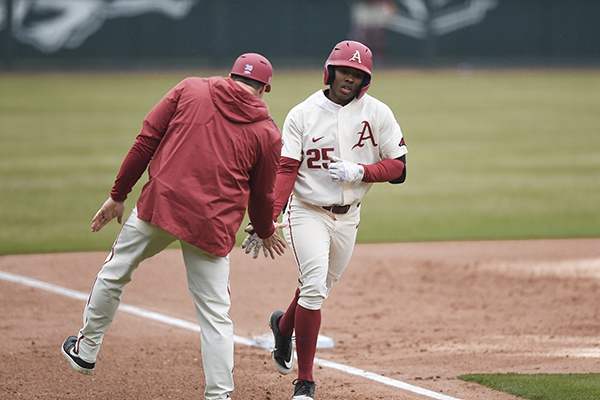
[420, 313]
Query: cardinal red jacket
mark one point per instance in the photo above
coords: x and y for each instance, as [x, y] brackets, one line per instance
[213, 149]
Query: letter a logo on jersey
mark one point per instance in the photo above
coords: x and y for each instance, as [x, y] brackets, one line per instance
[356, 57]
[366, 133]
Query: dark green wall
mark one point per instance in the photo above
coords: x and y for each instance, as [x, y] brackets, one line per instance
[302, 32]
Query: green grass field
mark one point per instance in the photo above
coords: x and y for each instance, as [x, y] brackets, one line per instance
[542, 386]
[492, 155]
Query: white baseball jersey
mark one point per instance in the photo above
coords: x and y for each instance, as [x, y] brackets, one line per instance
[364, 131]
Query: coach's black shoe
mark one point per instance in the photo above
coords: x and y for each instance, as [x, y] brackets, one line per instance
[305, 390]
[68, 350]
[283, 351]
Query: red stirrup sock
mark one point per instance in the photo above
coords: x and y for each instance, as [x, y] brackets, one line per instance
[308, 323]
[286, 323]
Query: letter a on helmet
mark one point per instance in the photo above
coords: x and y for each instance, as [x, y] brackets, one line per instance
[352, 54]
[356, 57]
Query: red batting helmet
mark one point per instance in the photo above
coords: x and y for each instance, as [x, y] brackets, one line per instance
[350, 54]
[254, 66]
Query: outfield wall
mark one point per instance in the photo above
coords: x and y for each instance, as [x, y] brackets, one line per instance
[148, 33]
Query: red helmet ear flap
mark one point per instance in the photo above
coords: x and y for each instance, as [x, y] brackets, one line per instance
[329, 75]
[366, 83]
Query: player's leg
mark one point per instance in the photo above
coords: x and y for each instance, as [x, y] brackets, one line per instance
[308, 324]
[342, 236]
[208, 282]
[137, 241]
[343, 239]
[308, 234]
[286, 323]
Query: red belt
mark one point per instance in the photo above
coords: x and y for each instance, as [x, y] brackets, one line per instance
[338, 209]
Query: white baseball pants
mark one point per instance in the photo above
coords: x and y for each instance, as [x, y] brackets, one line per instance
[208, 283]
[322, 244]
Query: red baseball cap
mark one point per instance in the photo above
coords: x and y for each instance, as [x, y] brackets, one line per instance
[254, 66]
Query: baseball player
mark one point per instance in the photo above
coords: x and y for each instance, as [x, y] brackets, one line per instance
[337, 143]
[211, 149]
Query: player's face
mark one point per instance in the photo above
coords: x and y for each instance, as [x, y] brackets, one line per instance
[346, 85]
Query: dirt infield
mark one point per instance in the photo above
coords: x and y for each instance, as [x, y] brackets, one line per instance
[420, 313]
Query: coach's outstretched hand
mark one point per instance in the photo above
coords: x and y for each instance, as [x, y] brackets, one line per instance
[270, 246]
[109, 210]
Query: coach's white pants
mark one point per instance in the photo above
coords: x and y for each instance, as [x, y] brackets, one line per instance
[208, 283]
[322, 243]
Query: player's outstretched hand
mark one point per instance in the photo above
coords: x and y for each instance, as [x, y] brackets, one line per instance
[275, 244]
[109, 210]
[270, 246]
[344, 171]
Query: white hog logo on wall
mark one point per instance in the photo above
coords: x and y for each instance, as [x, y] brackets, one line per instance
[421, 19]
[50, 25]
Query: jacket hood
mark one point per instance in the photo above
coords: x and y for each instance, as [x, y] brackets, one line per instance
[235, 103]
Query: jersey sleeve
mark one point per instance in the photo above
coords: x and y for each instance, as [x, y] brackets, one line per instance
[392, 143]
[292, 135]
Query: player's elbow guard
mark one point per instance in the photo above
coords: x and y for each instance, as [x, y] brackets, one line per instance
[402, 177]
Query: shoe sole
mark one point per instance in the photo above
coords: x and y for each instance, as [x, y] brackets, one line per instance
[76, 367]
[280, 368]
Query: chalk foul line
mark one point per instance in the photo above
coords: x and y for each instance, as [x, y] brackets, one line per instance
[193, 326]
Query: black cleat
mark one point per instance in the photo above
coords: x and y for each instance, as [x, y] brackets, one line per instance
[305, 390]
[283, 351]
[68, 350]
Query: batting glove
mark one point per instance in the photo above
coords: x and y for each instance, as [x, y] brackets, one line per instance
[253, 243]
[345, 171]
